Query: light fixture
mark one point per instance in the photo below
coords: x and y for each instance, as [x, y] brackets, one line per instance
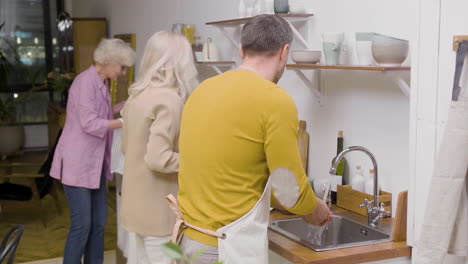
[36, 40]
[15, 95]
[18, 40]
[54, 41]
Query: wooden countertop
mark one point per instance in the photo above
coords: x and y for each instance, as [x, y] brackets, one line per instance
[297, 253]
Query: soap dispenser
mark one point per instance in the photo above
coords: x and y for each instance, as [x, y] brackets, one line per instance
[357, 179]
[369, 183]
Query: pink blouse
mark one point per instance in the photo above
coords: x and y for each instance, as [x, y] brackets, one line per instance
[83, 151]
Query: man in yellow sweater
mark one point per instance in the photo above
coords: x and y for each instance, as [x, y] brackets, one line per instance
[238, 140]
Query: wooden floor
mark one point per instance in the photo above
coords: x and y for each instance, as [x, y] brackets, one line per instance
[39, 242]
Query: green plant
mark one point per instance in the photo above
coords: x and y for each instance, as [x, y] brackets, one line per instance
[8, 106]
[175, 252]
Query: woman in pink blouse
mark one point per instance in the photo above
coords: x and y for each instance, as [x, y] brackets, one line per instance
[82, 157]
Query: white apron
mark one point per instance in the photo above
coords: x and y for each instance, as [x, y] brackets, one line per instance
[445, 226]
[242, 241]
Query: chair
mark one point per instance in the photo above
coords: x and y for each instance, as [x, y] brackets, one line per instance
[31, 169]
[29, 186]
[10, 243]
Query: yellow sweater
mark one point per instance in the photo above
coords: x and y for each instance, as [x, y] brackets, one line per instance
[236, 128]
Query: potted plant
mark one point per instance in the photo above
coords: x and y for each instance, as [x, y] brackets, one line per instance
[60, 83]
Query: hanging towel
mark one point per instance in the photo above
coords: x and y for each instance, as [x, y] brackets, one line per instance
[444, 230]
[117, 158]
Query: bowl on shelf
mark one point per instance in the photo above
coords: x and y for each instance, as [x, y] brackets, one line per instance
[380, 39]
[306, 56]
[390, 54]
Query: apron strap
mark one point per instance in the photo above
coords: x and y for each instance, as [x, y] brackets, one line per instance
[181, 224]
[460, 60]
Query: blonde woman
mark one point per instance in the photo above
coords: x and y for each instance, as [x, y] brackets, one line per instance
[150, 142]
[82, 157]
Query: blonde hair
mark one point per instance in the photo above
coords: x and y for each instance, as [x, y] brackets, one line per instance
[167, 62]
[114, 51]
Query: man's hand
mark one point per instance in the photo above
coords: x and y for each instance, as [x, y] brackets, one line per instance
[320, 216]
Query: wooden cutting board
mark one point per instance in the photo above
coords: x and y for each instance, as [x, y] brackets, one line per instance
[399, 223]
[303, 142]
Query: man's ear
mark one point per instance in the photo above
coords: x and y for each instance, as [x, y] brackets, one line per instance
[241, 52]
[284, 52]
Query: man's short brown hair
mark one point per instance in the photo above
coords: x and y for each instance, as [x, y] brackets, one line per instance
[265, 35]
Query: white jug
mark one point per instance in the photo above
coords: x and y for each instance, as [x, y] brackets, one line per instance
[267, 7]
[210, 51]
[242, 9]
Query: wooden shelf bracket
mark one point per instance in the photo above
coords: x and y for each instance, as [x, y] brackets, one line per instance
[316, 88]
[400, 82]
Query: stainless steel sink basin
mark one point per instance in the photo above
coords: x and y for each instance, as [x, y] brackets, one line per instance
[339, 233]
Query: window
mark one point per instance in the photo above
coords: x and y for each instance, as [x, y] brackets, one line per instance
[29, 42]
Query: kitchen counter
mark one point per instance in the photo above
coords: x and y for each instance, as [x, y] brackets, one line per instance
[297, 253]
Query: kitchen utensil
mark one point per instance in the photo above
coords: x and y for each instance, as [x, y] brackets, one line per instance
[332, 42]
[364, 36]
[386, 40]
[303, 142]
[249, 8]
[333, 37]
[281, 6]
[321, 185]
[399, 224]
[297, 7]
[189, 33]
[210, 51]
[267, 7]
[306, 56]
[178, 28]
[364, 52]
[242, 9]
[390, 54]
[332, 52]
[326, 189]
[346, 54]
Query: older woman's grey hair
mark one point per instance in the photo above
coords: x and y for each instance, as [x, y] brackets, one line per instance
[114, 51]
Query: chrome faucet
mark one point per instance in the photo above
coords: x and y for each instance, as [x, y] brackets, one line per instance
[374, 214]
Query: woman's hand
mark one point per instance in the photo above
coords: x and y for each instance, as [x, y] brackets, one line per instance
[118, 106]
[114, 124]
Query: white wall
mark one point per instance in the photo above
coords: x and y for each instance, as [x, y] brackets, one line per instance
[371, 110]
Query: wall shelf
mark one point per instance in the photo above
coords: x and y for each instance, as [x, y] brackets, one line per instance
[215, 65]
[290, 18]
[317, 89]
[346, 67]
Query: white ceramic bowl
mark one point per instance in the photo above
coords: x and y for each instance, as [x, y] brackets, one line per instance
[306, 56]
[390, 54]
[380, 39]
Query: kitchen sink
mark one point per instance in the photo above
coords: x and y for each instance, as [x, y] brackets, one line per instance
[339, 233]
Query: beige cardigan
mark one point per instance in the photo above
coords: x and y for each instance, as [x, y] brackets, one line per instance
[150, 145]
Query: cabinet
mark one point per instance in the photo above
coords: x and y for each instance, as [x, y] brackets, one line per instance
[87, 33]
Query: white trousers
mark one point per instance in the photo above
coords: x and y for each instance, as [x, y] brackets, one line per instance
[148, 250]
